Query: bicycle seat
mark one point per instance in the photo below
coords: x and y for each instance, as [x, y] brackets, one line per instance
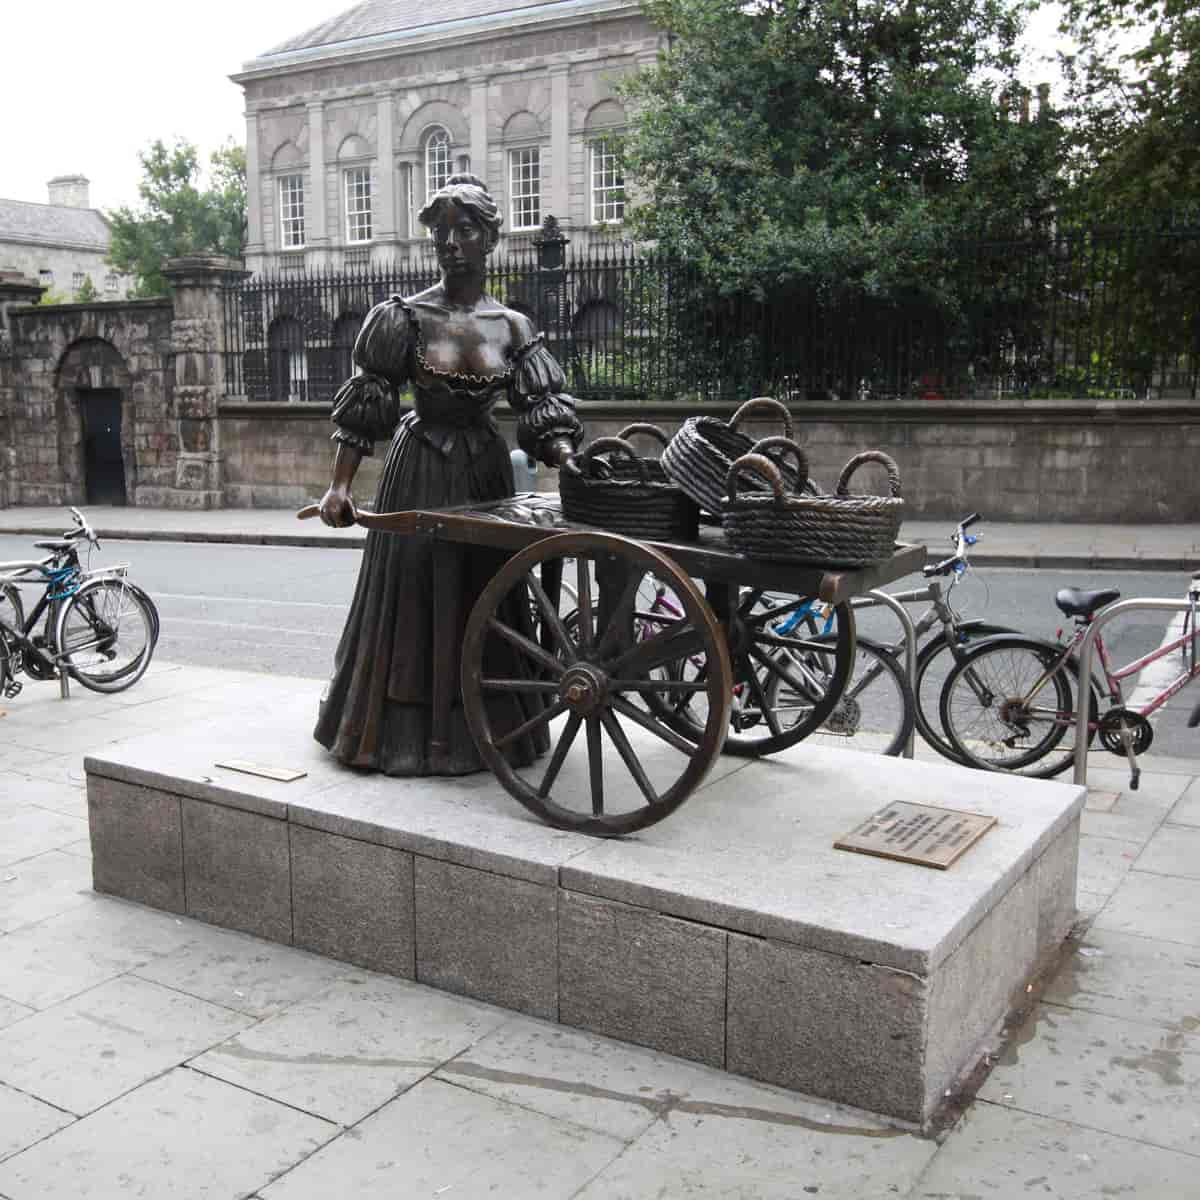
[56, 544]
[1075, 602]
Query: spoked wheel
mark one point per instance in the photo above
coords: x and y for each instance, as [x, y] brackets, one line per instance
[592, 675]
[791, 659]
[106, 635]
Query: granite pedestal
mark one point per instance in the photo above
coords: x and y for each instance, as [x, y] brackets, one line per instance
[732, 933]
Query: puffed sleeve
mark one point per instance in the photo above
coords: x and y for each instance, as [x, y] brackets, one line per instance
[547, 413]
[367, 406]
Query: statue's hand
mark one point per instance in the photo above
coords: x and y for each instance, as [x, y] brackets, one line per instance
[560, 453]
[337, 508]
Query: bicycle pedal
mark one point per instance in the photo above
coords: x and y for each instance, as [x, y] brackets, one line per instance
[12, 689]
[1134, 779]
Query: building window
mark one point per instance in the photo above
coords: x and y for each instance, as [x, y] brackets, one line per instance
[525, 187]
[46, 277]
[358, 204]
[438, 167]
[77, 279]
[111, 283]
[291, 211]
[608, 185]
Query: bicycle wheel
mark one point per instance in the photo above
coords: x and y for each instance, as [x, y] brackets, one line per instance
[993, 722]
[105, 635]
[935, 660]
[812, 654]
[875, 712]
[12, 612]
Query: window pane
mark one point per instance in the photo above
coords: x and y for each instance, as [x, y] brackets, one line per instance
[608, 185]
[525, 187]
[358, 204]
[291, 210]
[437, 162]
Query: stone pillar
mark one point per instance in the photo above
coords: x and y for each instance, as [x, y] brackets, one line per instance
[255, 249]
[560, 144]
[14, 289]
[197, 345]
[385, 173]
[479, 138]
[316, 228]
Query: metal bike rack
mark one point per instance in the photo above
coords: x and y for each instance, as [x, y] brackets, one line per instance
[1101, 619]
[910, 644]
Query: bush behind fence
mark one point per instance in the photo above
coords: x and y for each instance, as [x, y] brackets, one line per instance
[1080, 310]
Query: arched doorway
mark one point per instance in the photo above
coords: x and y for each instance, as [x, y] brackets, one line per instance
[94, 423]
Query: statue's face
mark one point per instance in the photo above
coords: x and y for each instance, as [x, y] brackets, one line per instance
[461, 242]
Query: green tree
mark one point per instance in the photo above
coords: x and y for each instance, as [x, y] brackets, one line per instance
[832, 145]
[177, 214]
[1134, 103]
[86, 292]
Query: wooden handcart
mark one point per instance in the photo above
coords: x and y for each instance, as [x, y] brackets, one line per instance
[595, 658]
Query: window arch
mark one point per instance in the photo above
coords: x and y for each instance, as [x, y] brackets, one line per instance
[439, 163]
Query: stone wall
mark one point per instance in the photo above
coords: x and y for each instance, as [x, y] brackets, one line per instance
[163, 358]
[1034, 460]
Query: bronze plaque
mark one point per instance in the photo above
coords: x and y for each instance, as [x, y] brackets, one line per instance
[282, 774]
[917, 833]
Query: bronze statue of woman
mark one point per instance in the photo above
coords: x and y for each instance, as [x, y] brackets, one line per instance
[459, 351]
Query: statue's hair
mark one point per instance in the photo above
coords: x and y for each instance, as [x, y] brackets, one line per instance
[468, 192]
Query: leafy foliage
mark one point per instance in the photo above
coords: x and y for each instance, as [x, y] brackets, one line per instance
[86, 292]
[832, 148]
[1134, 91]
[177, 215]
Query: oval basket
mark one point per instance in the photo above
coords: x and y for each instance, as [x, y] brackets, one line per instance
[837, 531]
[700, 454]
[626, 494]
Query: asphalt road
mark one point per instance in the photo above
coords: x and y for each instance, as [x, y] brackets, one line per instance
[280, 609]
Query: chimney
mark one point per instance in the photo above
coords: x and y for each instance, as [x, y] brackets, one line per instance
[71, 191]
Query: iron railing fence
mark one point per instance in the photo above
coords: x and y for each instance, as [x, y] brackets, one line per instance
[1071, 311]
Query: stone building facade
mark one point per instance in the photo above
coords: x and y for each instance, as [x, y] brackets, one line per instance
[350, 126]
[59, 244]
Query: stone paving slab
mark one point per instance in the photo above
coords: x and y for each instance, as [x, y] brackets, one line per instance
[1173, 850]
[1000, 1152]
[94, 1047]
[1104, 1073]
[1155, 906]
[25, 1120]
[1136, 978]
[376, 1037]
[40, 887]
[183, 1135]
[441, 1140]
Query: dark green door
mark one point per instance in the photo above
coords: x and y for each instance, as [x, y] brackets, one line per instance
[104, 469]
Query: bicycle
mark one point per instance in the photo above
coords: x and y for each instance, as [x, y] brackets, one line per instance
[992, 706]
[96, 626]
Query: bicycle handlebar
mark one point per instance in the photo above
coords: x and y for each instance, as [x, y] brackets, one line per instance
[83, 530]
[948, 565]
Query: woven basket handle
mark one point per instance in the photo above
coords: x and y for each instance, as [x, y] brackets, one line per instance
[764, 404]
[604, 444]
[761, 465]
[867, 456]
[793, 448]
[644, 427]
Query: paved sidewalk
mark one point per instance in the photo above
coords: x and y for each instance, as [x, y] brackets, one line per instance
[143, 1054]
[1144, 547]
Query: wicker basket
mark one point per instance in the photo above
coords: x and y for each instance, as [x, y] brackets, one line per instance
[614, 489]
[837, 531]
[699, 456]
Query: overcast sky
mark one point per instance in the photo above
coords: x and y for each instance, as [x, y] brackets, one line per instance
[85, 86]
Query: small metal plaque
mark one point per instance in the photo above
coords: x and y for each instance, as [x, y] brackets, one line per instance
[917, 833]
[282, 774]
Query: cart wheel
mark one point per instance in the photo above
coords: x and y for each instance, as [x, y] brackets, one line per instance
[595, 677]
[779, 645]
